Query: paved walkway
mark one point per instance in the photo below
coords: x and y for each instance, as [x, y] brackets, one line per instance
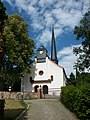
[47, 109]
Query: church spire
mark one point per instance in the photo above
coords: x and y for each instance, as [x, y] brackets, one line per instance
[53, 48]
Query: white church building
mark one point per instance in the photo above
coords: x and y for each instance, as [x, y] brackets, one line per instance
[46, 75]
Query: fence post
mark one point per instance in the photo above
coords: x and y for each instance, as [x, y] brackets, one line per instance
[2, 103]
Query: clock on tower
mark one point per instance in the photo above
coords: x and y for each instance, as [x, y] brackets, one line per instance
[41, 54]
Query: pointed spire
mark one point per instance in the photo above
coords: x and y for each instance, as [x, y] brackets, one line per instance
[53, 48]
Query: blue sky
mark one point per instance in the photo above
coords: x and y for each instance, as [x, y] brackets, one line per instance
[41, 15]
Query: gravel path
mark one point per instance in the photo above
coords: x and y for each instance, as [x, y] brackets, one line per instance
[48, 109]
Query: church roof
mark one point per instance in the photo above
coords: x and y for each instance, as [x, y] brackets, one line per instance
[41, 48]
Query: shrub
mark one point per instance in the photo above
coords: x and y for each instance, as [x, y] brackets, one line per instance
[77, 99]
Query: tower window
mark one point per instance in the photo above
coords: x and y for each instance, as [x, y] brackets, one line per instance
[41, 72]
[51, 77]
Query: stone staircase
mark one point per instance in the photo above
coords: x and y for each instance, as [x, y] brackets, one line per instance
[51, 96]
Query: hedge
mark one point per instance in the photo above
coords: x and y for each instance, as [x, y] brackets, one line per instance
[77, 100]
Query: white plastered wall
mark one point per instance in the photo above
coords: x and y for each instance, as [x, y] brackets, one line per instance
[49, 68]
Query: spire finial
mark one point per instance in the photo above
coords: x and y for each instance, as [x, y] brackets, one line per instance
[53, 48]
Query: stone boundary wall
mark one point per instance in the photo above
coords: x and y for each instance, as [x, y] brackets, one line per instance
[17, 95]
[26, 95]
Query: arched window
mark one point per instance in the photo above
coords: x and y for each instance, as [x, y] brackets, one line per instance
[36, 88]
[45, 89]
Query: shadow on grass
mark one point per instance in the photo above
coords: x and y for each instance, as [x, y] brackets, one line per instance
[12, 114]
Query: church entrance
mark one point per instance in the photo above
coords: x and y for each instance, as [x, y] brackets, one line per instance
[36, 88]
[45, 89]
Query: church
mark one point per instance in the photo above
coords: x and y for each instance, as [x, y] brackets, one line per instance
[46, 75]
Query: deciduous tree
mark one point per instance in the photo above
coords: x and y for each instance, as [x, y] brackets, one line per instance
[83, 32]
[3, 18]
[19, 49]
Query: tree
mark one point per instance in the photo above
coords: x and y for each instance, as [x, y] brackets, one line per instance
[83, 32]
[71, 80]
[3, 18]
[83, 79]
[19, 49]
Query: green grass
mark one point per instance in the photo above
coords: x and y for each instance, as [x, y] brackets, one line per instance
[13, 108]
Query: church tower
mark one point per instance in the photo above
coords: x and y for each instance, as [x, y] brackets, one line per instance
[41, 54]
[53, 48]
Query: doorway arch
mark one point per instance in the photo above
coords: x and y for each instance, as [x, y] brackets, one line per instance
[45, 89]
[36, 88]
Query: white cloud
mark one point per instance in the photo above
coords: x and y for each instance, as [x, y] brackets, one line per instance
[49, 20]
[45, 13]
[67, 59]
[45, 37]
[43, 3]
[21, 5]
[31, 9]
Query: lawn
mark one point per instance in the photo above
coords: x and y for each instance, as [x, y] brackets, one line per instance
[13, 108]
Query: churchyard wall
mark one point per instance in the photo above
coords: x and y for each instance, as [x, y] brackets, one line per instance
[17, 95]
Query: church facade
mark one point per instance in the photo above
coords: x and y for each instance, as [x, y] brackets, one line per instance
[46, 75]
